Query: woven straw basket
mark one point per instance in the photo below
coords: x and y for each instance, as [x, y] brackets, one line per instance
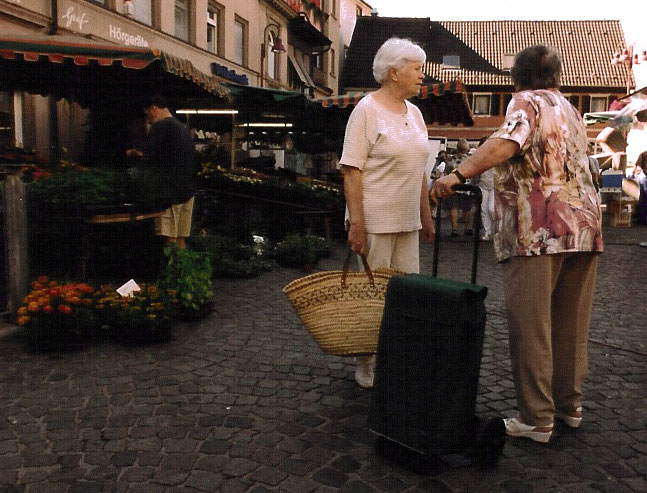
[342, 310]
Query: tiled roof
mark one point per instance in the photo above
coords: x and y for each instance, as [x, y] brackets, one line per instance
[586, 48]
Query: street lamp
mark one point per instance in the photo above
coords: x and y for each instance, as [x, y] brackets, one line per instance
[277, 46]
[627, 57]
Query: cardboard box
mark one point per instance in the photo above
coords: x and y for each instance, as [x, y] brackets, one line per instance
[620, 213]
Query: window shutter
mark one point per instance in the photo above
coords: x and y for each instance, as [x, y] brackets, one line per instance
[495, 105]
[506, 101]
[586, 104]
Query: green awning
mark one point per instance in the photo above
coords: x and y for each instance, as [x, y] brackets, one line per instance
[84, 70]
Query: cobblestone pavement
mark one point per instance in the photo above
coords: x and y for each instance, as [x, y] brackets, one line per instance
[244, 401]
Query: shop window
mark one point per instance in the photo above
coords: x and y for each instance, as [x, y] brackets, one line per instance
[272, 57]
[240, 42]
[481, 104]
[598, 103]
[143, 11]
[182, 20]
[214, 28]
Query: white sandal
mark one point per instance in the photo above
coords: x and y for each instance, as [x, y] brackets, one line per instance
[572, 419]
[515, 428]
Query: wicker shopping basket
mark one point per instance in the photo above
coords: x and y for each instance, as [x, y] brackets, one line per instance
[342, 310]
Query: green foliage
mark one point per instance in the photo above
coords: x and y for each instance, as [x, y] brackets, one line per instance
[297, 250]
[230, 258]
[77, 187]
[188, 273]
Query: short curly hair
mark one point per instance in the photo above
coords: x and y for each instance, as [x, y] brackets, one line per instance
[394, 53]
[537, 67]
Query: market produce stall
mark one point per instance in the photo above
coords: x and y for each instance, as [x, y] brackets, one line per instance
[108, 80]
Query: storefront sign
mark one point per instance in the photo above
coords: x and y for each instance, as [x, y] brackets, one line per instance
[227, 73]
[127, 39]
[73, 17]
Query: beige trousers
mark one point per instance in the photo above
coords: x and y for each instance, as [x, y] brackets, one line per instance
[548, 301]
[399, 251]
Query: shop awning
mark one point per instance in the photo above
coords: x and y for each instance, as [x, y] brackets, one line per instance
[301, 28]
[441, 103]
[303, 74]
[82, 70]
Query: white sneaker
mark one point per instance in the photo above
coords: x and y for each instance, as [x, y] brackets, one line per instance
[365, 371]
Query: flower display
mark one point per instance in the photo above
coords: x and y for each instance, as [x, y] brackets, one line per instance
[54, 313]
[143, 316]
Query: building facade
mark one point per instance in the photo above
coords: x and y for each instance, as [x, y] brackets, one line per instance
[481, 53]
[278, 44]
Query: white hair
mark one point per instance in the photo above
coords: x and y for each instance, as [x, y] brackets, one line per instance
[394, 53]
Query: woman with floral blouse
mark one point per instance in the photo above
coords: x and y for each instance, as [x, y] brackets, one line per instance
[547, 235]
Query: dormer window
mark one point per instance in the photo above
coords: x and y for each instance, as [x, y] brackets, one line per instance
[508, 62]
[451, 62]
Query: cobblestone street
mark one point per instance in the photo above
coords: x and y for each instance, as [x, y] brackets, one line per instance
[243, 400]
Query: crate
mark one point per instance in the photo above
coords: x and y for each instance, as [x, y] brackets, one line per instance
[620, 212]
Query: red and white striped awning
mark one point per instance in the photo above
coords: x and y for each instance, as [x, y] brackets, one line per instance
[441, 103]
[352, 98]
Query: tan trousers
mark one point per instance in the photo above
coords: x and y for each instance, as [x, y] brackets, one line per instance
[548, 301]
[399, 251]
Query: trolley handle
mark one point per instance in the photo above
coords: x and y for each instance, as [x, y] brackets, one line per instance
[476, 227]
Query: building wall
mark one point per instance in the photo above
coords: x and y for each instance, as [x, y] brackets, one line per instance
[106, 21]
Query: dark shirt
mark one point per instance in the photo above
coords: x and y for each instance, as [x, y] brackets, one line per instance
[169, 147]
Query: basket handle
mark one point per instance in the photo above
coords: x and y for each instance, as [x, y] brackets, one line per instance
[369, 273]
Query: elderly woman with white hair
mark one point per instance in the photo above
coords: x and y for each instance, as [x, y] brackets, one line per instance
[383, 162]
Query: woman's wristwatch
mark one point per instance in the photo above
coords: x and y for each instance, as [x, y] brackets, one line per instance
[458, 174]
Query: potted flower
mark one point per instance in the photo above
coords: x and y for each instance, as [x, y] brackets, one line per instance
[301, 251]
[188, 274]
[143, 316]
[57, 316]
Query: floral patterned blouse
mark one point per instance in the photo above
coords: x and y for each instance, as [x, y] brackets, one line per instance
[545, 200]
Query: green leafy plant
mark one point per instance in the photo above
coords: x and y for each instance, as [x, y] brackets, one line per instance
[300, 250]
[77, 186]
[230, 258]
[188, 273]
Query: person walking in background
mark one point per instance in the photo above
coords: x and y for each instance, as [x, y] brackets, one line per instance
[169, 147]
[383, 163]
[547, 235]
[486, 184]
[460, 202]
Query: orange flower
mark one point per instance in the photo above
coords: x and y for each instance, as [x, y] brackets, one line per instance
[33, 307]
[22, 310]
[35, 285]
[66, 310]
[48, 309]
[23, 320]
[42, 279]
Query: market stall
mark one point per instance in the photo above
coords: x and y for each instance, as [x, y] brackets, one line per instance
[108, 80]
